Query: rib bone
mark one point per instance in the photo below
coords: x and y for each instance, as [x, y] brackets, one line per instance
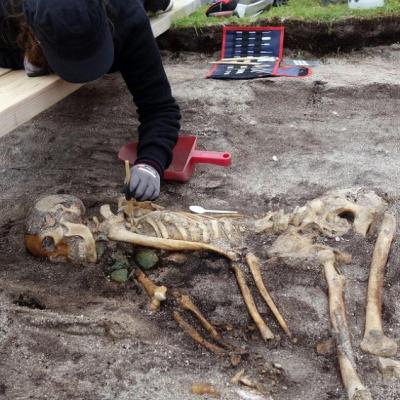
[355, 389]
[375, 341]
[254, 265]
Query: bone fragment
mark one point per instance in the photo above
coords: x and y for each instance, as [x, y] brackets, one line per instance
[182, 231]
[326, 347]
[153, 224]
[156, 293]
[255, 268]
[177, 258]
[251, 306]
[204, 388]
[375, 341]
[389, 368]
[163, 230]
[187, 304]
[236, 378]
[215, 229]
[236, 359]
[340, 331]
[189, 330]
[245, 380]
[120, 234]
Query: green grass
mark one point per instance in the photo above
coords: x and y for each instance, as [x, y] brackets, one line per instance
[306, 10]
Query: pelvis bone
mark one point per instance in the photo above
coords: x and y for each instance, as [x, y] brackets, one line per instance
[56, 229]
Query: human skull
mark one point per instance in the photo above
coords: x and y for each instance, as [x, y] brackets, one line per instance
[55, 229]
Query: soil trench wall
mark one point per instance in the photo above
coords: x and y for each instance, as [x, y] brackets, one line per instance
[319, 38]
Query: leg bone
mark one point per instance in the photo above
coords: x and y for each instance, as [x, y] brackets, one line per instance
[375, 341]
[355, 389]
[251, 306]
[254, 265]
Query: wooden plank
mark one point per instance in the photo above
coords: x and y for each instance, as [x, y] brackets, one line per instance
[4, 71]
[21, 97]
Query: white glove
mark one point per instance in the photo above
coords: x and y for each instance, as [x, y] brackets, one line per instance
[144, 183]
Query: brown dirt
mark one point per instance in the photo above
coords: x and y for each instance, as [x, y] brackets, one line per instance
[69, 333]
[319, 38]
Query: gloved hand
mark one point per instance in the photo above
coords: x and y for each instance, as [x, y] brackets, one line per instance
[144, 183]
[33, 71]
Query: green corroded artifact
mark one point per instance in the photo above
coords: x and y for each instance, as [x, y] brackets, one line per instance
[146, 259]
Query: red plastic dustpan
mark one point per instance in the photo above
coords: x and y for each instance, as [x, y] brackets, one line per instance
[184, 158]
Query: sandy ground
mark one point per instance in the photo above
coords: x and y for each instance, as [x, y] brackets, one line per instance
[68, 333]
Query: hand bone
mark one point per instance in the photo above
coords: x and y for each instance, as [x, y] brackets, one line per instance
[375, 341]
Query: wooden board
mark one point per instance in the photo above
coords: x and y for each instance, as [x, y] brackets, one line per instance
[4, 71]
[21, 98]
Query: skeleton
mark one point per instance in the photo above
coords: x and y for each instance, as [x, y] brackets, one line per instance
[55, 229]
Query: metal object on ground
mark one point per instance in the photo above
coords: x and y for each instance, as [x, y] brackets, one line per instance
[201, 210]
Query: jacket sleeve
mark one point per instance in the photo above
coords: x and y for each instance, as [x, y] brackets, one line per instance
[141, 67]
[10, 55]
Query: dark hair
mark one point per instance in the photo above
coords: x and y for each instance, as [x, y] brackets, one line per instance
[24, 37]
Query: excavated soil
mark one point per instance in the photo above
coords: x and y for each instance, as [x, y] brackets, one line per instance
[67, 332]
[320, 38]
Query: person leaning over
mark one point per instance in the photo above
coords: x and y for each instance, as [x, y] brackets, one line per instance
[81, 40]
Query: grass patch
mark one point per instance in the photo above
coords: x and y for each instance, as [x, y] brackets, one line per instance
[306, 10]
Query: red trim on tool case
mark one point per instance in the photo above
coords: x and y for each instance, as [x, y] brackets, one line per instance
[276, 67]
[211, 71]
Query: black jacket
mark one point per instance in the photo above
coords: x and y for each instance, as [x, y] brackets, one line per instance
[138, 59]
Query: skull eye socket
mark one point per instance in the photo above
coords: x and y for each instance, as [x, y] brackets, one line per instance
[347, 215]
[48, 244]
